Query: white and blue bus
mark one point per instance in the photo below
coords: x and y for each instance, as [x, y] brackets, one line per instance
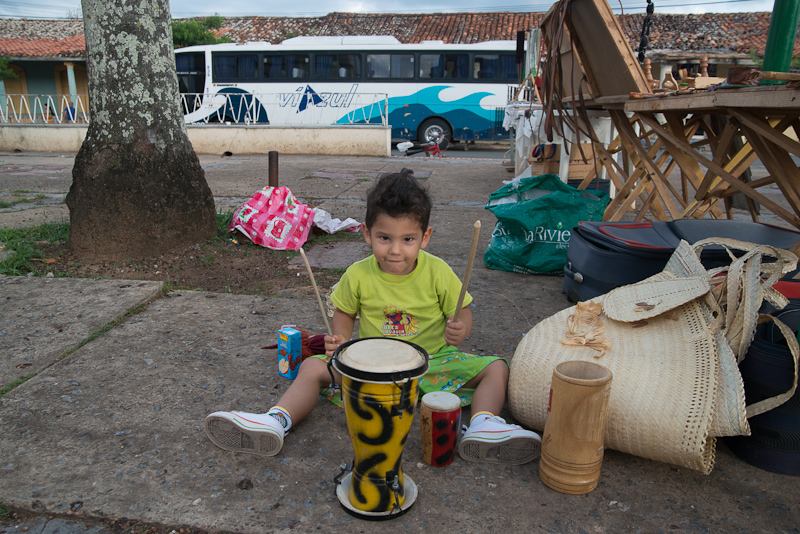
[424, 91]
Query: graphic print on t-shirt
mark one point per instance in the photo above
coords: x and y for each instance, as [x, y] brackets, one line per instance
[398, 322]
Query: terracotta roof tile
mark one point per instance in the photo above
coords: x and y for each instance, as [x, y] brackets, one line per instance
[42, 38]
[713, 33]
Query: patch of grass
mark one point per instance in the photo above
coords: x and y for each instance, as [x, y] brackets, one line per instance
[168, 286]
[23, 243]
[323, 238]
[208, 260]
[4, 204]
[223, 224]
[21, 198]
[187, 287]
[336, 271]
[258, 288]
[19, 381]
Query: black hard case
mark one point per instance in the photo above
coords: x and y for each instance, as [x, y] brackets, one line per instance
[602, 255]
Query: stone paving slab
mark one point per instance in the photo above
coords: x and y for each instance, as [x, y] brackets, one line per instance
[43, 318]
[56, 525]
[115, 430]
[34, 216]
[332, 256]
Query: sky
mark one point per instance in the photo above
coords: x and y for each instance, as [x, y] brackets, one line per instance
[61, 9]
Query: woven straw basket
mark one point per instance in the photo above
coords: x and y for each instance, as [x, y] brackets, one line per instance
[676, 380]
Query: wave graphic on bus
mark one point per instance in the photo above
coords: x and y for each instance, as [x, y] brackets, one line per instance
[467, 118]
[242, 106]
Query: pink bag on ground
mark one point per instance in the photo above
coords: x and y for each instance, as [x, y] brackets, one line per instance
[274, 219]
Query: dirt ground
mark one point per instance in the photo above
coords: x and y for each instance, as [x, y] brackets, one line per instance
[235, 266]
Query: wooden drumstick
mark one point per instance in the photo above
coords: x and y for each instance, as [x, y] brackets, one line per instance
[476, 230]
[319, 298]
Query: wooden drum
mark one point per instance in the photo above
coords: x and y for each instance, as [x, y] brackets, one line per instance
[440, 424]
[572, 446]
[380, 389]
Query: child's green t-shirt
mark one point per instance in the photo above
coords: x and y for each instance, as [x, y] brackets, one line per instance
[412, 307]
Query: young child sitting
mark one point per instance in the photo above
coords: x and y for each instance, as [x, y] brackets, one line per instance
[398, 280]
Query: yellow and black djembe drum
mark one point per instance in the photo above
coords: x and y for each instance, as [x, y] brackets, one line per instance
[380, 388]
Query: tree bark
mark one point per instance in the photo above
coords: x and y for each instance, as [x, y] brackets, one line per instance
[138, 189]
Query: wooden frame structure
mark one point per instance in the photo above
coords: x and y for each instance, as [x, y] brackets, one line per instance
[655, 132]
[767, 118]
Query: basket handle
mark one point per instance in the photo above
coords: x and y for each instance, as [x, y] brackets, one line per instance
[757, 408]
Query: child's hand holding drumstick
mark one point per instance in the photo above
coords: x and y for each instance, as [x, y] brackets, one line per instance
[460, 324]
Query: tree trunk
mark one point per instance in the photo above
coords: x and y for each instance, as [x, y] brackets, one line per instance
[137, 186]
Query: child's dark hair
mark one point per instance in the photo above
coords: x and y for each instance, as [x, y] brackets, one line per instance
[399, 195]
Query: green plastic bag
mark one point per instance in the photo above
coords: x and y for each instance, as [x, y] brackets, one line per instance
[535, 219]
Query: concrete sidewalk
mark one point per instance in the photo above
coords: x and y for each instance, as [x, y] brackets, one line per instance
[111, 426]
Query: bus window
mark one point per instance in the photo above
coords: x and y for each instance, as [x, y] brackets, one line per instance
[495, 66]
[438, 66]
[456, 66]
[378, 65]
[191, 68]
[234, 67]
[273, 66]
[390, 66]
[431, 65]
[402, 65]
[285, 66]
[297, 65]
[337, 66]
[247, 67]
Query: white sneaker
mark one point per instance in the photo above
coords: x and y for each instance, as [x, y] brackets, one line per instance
[494, 440]
[253, 433]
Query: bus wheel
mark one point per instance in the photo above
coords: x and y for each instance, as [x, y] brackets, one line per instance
[434, 129]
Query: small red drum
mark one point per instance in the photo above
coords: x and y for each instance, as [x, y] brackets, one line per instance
[440, 422]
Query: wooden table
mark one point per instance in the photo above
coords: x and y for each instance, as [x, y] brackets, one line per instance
[740, 125]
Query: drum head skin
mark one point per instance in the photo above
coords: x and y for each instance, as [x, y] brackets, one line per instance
[343, 494]
[380, 360]
[441, 401]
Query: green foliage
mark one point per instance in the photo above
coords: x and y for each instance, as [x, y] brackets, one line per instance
[224, 224]
[5, 71]
[759, 61]
[197, 32]
[23, 243]
[5, 389]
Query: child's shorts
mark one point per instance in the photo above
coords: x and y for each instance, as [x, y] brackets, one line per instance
[449, 370]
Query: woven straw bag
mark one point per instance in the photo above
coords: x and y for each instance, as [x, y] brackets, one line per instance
[674, 343]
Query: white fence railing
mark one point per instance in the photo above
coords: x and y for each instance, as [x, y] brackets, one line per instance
[43, 109]
[277, 109]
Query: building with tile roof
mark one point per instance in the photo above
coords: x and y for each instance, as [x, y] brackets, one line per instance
[50, 55]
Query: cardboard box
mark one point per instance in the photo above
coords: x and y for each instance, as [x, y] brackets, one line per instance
[578, 170]
[290, 351]
[544, 167]
[575, 152]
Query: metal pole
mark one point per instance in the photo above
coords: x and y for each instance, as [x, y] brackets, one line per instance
[273, 168]
[780, 39]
